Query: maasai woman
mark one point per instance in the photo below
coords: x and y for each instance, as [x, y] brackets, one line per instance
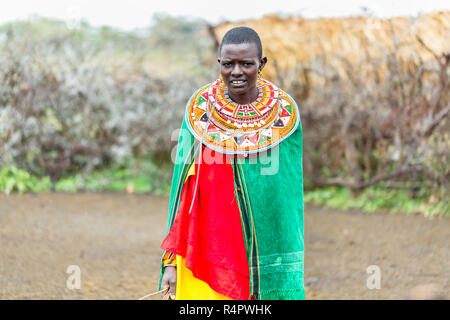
[235, 226]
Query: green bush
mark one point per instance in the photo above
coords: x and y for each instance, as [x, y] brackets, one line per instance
[79, 100]
[14, 179]
[146, 177]
[377, 199]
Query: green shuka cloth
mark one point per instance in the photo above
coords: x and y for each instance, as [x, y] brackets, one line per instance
[269, 190]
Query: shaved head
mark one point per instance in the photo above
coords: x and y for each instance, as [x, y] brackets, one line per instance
[240, 35]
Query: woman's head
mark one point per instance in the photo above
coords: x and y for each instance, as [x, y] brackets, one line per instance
[240, 60]
[240, 35]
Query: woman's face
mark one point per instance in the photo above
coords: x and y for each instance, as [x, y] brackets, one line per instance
[239, 66]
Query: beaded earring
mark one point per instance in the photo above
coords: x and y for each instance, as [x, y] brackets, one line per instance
[259, 74]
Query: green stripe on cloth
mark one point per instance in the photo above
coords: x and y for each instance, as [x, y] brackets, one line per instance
[187, 150]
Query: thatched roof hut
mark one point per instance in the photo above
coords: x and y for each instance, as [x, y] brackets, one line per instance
[288, 42]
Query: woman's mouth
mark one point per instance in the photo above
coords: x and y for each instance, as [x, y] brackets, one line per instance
[238, 83]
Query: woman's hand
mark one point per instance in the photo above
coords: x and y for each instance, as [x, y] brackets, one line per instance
[169, 280]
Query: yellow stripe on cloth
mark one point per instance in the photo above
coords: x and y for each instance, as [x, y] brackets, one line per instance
[190, 288]
[191, 171]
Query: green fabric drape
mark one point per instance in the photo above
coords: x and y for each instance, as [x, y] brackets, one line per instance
[271, 188]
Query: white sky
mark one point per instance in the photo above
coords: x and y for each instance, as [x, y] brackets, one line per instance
[132, 14]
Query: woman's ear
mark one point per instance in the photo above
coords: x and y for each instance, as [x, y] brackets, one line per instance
[262, 62]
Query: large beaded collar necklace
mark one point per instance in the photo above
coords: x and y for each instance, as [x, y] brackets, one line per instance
[231, 128]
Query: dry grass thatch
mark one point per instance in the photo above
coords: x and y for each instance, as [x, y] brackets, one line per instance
[288, 42]
[373, 94]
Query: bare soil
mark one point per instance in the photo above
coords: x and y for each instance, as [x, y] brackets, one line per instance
[114, 239]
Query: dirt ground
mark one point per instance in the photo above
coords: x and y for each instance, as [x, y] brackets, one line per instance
[114, 239]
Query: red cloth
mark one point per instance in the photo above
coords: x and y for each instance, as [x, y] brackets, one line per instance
[210, 237]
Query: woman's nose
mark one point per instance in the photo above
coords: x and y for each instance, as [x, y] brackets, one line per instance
[237, 71]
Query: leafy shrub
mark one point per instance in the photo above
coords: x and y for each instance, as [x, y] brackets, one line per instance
[70, 104]
[14, 179]
[376, 199]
